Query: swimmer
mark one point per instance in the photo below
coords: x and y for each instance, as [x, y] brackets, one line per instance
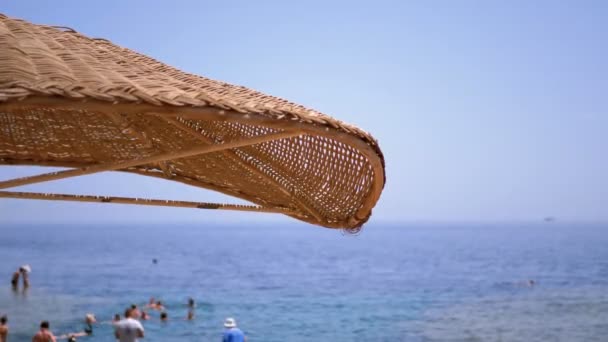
[89, 319]
[128, 329]
[164, 317]
[151, 303]
[15, 279]
[190, 315]
[159, 306]
[3, 329]
[44, 334]
[232, 333]
[116, 318]
[144, 316]
[25, 273]
[135, 311]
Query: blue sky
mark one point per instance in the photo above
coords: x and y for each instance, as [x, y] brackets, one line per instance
[485, 110]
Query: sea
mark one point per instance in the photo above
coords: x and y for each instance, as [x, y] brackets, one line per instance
[545, 281]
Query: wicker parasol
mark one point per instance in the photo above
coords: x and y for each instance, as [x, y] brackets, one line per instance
[71, 101]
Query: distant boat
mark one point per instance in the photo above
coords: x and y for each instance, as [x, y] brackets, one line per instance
[549, 219]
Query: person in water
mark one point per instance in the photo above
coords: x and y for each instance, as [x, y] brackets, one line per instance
[89, 319]
[144, 316]
[232, 333]
[25, 275]
[116, 318]
[135, 311]
[191, 305]
[164, 317]
[3, 328]
[158, 306]
[44, 334]
[15, 279]
[129, 329]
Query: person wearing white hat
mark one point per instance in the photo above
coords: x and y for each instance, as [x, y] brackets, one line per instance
[232, 333]
[25, 272]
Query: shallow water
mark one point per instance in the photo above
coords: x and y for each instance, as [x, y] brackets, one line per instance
[299, 283]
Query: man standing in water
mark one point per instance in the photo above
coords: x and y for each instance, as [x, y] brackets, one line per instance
[44, 335]
[232, 333]
[3, 329]
[129, 329]
[25, 274]
[135, 313]
[15, 279]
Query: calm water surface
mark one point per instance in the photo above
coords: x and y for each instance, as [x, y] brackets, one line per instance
[299, 283]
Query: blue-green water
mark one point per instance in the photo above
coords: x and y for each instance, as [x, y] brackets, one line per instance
[300, 283]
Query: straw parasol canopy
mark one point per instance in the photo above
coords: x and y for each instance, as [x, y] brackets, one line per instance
[67, 100]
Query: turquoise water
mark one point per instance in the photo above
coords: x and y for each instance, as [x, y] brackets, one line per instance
[300, 283]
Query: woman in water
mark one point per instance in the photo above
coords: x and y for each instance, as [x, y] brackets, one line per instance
[89, 319]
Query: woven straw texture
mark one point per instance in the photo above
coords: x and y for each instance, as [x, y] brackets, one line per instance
[69, 100]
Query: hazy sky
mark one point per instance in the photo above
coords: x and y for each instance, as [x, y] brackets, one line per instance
[485, 110]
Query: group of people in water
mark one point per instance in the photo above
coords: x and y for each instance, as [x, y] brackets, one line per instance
[21, 273]
[126, 329]
[122, 325]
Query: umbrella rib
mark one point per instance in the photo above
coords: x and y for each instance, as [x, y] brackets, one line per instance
[140, 201]
[233, 156]
[248, 167]
[148, 160]
[151, 173]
